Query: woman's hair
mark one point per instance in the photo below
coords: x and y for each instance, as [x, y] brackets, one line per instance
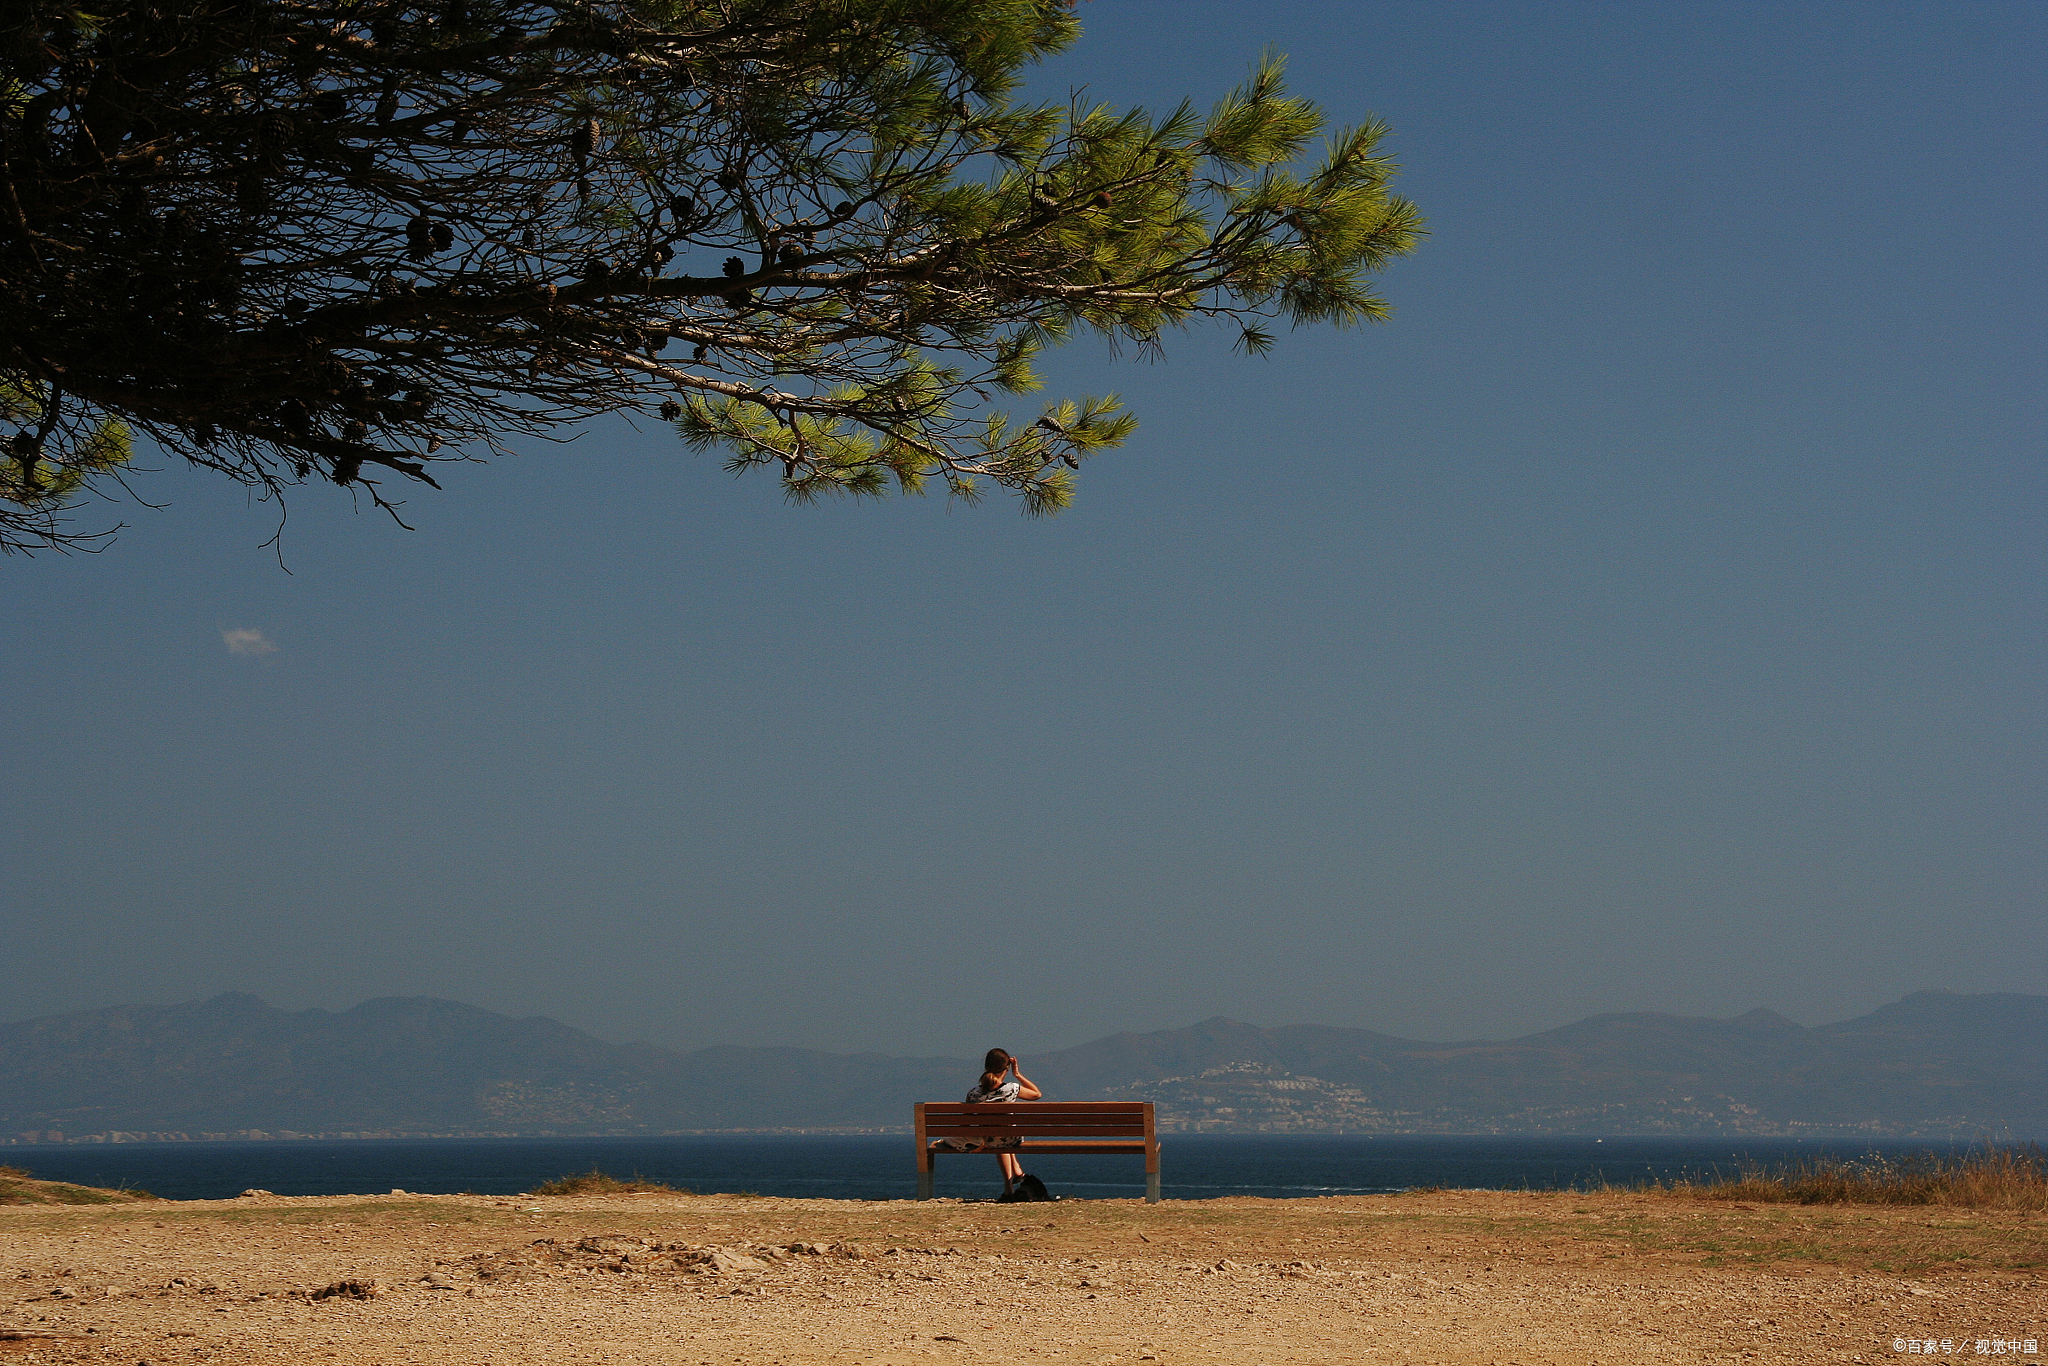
[992, 1068]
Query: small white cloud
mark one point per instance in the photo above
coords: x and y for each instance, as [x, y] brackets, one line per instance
[247, 640]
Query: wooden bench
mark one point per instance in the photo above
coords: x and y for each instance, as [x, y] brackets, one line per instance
[1036, 1126]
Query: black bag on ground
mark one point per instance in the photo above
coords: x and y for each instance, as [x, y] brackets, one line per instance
[1028, 1188]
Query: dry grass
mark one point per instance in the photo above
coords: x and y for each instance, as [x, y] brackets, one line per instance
[595, 1182]
[1987, 1178]
[17, 1187]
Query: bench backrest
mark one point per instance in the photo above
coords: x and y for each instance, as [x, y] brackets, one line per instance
[1036, 1119]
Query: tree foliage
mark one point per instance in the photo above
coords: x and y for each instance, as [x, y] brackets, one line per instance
[350, 239]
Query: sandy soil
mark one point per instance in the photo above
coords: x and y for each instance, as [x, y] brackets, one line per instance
[1482, 1277]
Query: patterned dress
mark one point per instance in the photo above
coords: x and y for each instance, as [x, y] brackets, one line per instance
[1001, 1095]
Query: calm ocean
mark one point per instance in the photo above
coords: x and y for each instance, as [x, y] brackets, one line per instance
[1193, 1166]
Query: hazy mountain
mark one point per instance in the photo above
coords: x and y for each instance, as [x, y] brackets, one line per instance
[1932, 1064]
[419, 1065]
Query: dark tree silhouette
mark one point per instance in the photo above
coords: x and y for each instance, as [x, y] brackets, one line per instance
[287, 240]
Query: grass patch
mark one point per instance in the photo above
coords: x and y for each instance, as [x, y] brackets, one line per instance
[1621, 1227]
[17, 1187]
[595, 1182]
[1987, 1178]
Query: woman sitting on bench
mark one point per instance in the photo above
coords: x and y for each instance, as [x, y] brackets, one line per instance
[1002, 1082]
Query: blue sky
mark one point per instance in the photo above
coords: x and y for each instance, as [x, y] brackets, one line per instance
[1649, 617]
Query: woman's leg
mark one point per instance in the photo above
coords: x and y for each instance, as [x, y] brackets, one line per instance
[1012, 1169]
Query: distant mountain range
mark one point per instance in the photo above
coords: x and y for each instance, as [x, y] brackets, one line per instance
[1935, 1064]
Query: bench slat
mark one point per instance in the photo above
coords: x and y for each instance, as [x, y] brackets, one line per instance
[1036, 1121]
[1027, 1113]
[1129, 1107]
[1037, 1131]
[1033, 1121]
[1135, 1146]
[1032, 1114]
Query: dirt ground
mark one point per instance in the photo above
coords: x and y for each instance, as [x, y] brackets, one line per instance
[669, 1280]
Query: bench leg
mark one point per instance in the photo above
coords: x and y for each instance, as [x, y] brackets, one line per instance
[1151, 1188]
[924, 1184]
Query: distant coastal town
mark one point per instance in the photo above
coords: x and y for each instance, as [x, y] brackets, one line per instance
[1252, 1098]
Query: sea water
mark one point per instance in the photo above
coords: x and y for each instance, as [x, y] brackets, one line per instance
[881, 1167]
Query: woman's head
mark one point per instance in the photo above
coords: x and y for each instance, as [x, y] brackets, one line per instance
[992, 1068]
